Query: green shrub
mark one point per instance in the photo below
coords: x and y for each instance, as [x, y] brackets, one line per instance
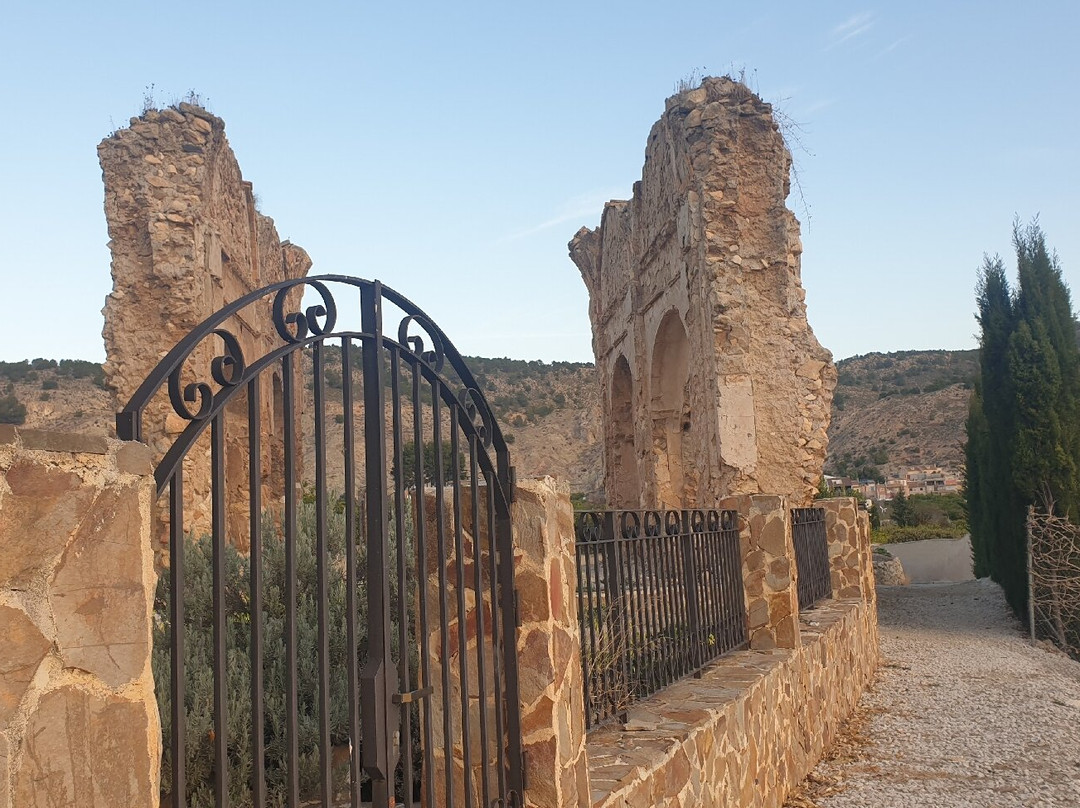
[198, 638]
[893, 534]
[49, 384]
[12, 411]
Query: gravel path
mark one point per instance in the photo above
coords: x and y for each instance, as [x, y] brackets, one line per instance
[965, 711]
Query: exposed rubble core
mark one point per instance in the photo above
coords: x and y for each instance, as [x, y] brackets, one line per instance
[713, 383]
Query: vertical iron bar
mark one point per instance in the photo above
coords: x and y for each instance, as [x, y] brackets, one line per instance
[668, 584]
[378, 723]
[326, 785]
[478, 597]
[498, 640]
[463, 617]
[583, 615]
[404, 675]
[618, 610]
[221, 698]
[650, 611]
[444, 607]
[691, 582]
[637, 622]
[255, 599]
[176, 615]
[595, 631]
[292, 707]
[421, 582]
[351, 637]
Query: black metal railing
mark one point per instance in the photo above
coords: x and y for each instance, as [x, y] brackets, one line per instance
[660, 594]
[811, 555]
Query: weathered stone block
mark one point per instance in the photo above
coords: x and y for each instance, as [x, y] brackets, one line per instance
[39, 514]
[99, 593]
[22, 648]
[88, 749]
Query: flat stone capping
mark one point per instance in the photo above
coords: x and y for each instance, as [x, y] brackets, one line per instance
[50, 441]
[749, 730]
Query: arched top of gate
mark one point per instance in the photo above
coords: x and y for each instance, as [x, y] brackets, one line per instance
[415, 335]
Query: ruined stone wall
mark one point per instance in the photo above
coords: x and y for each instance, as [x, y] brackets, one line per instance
[713, 383]
[186, 239]
[78, 718]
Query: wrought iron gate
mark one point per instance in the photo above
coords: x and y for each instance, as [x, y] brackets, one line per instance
[355, 607]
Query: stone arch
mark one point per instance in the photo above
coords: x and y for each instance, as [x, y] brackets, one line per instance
[669, 411]
[624, 477]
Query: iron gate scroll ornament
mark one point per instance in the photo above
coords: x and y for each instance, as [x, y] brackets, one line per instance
[380, 698]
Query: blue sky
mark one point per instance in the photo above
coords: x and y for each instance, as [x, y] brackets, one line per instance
[452, 150]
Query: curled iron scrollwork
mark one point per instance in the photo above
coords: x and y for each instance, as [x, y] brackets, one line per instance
[415, 343]
[589, 527]
[294, 326]
[630, 524]
[227, 370]
[472, 402]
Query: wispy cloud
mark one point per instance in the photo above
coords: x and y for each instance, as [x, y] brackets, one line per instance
[584, 207]
[894, 45]
[854, 26]
[816, 106]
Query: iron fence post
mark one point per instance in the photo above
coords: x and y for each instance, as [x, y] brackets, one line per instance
[690, 571]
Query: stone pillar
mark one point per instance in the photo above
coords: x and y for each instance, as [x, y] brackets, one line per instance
[78, 718]
[848, 530]
[549, 646]
[772, 597]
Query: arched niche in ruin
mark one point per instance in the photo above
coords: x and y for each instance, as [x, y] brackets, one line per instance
[669, 412]
[625, 477]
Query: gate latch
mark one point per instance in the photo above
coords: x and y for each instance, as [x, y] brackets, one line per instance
[411, 696]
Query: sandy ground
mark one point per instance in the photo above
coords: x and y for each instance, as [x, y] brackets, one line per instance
[965, 712]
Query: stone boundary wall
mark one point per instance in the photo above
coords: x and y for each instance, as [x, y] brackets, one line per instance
[78, 719]
[749, 730]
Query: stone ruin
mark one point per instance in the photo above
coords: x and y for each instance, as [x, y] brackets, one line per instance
[186, 239]
[713, 383]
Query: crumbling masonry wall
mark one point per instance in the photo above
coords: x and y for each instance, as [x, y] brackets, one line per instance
[713, 383]
[186, 239]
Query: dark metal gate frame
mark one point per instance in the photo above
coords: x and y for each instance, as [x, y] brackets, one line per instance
[374, 695]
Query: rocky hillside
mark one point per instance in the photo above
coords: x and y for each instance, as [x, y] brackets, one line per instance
[549, 413]
[891, 411]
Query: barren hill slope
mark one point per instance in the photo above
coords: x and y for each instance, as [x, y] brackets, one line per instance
[891, 411]
[894, 411]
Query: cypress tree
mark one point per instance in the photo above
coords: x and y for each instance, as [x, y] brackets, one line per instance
[1023, 426]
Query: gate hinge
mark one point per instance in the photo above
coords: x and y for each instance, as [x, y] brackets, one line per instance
[524, 775]
[512, 495]
[517, 609]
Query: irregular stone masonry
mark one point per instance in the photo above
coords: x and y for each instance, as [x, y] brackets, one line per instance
[549, 650]
[713, 383]
[749, 730]
[186, 239]
[78, 718]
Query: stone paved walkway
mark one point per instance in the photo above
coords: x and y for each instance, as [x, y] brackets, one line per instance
[965, 711]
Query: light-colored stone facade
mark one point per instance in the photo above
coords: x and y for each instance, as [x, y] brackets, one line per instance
[713, 383]
[186, 238]
[78, 719]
